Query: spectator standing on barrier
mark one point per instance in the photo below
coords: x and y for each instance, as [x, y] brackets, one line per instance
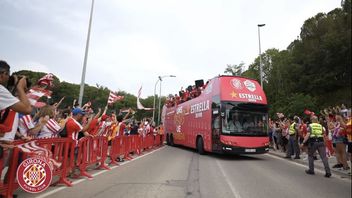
[315, 141]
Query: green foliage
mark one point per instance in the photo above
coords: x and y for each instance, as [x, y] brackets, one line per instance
[315, 70]
[98, 95]
[234, 70]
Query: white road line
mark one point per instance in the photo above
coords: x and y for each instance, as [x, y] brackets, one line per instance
[234, 191]
[305, 166]
[95, 174]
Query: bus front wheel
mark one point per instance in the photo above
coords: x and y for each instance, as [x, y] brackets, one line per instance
[200, 146]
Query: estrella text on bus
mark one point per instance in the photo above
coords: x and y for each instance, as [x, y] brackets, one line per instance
[200, 107]
[250, 96]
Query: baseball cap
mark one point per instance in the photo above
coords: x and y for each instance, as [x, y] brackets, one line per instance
[76, 111]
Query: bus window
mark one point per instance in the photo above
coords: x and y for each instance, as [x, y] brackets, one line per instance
[244, 121]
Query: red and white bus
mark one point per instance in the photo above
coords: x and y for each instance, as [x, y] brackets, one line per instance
[230, 116]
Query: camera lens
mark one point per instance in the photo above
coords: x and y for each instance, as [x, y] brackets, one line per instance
[11, 81]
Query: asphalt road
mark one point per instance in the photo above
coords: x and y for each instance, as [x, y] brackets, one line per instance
[180, 172]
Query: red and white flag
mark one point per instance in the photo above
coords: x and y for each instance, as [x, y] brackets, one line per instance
[139, 104]
[114, 98]
[46, 80]
[32, 149]
[35, 93]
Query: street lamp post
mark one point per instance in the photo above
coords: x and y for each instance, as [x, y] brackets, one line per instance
[260, 57]
[81, 90]
[160, 78]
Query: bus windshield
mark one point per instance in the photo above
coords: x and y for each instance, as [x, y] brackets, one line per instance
[244, 120]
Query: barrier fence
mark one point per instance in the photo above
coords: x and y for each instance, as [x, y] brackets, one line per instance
[89, 152]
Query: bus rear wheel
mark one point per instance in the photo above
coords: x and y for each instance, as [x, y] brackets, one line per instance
[172, 140]
[168, 139]
[200, 146]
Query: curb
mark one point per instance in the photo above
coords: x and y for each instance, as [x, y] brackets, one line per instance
[319, 165]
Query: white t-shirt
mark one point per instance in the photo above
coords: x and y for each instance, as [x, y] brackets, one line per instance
[49, 130]
[10, 136]
[6, 98]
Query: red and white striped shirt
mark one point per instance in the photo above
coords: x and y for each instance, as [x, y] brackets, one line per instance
[73, 128]
[50, 129]
[25, 124]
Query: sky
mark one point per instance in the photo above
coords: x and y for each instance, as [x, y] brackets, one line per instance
[134, 41]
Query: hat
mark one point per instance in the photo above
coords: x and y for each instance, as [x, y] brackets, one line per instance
[76, 111]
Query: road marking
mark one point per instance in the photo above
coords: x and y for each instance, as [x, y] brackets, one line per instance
[305, 166]
[234, 191]
[98, 173]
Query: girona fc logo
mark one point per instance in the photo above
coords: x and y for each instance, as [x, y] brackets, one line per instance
[34, 174]
[236, 83]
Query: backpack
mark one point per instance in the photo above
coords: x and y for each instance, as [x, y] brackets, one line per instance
[63, 132]
[7, 117]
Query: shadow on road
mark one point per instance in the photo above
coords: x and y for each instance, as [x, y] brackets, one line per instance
[225, 156]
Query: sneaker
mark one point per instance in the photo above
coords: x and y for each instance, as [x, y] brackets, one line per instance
[310, 172]
[327, 175]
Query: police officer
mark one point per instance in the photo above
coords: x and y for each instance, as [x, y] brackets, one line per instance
[316, 142]
[293, 146]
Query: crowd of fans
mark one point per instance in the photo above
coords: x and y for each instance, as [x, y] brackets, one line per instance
[191, 92]
[21, 120]
[336, 123]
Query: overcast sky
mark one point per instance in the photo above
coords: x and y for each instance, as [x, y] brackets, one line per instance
[135, 41]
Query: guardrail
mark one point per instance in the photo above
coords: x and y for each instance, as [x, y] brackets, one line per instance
[90, 151]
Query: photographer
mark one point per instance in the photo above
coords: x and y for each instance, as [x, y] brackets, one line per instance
[10, 105]
[20, 104]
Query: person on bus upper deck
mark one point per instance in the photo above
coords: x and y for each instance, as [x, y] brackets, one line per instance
[177, 99]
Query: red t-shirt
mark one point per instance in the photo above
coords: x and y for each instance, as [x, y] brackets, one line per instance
[93, 127]
[303, 129]
[122, 128]
[73, 128]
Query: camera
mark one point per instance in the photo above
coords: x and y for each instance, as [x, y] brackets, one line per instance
[12, 83]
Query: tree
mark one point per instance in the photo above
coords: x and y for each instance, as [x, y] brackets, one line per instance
[234, 70]
[315, 67]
